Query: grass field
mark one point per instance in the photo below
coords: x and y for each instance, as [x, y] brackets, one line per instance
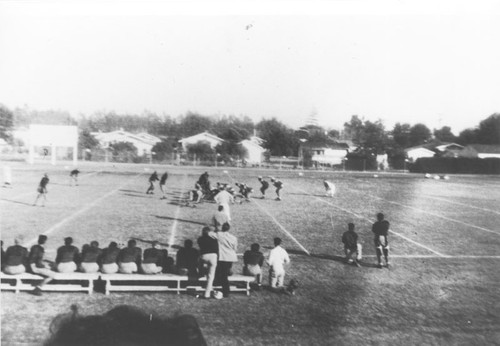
[443, 287]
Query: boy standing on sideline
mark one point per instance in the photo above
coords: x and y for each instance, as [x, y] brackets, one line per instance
[163, 181]
[277, 259]
[152, 179]
[351, 245]
[42, 189]
[228, 244]
[253, 261]
[381, 229]
[209, 249]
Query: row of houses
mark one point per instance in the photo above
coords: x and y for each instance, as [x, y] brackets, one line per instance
[433, 149]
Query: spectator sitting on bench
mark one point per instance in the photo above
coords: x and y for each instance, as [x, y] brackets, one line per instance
[153, 259]
[16, 257]
[169, 263]
[109, 259]
[187, 259]
[253, 261]
[38, 265]
[91, 255]
[67, 257]
[129, 258]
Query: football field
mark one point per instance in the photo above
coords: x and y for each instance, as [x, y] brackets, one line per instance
[443, 287]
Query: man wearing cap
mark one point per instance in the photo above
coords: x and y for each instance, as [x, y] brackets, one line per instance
[42, 189]
[91, 256]
[38, 265]
[67, 257]
[153, 259]
[16, 257]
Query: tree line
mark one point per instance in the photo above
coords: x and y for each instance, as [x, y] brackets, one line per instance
[371, 137]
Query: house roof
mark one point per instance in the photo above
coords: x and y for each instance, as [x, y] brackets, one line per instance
[123, 136]
[201, 136]
[485, 148]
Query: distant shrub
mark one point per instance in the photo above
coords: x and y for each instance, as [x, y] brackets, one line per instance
[459, 165]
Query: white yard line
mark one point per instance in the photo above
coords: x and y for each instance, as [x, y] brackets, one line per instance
[277, 223]
[437, 215]
[173, 231]
[366, 219]
[78, 213]
[463, 204]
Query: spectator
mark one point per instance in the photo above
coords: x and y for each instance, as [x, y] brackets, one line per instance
[91, 257]
[109, 260]
[219, 218]
[187, 259]
[38, 265]
[209, 249]
[277, 259]
[380, 230]
[16, 258]
[351, 246]
[253, 260]
[67, 257]
[129, 258]
[228, 244]
[153, 259]
[222, 199]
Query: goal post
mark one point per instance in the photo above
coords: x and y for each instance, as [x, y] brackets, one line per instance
[53, 136]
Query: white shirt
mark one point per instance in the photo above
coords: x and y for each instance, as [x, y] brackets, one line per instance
[223, 197]
[278, 257]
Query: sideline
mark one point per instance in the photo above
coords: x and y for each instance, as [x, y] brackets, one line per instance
[370, 221]
[79, 212]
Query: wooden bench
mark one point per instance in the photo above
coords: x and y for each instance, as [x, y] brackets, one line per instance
[168, 282]
[67, 282]
[143, 282]
[237, 283]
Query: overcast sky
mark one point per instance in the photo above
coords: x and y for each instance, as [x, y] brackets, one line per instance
[436, 62]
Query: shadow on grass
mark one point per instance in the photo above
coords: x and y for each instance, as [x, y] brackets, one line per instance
[16, 202]
[132, 195]
[180, 220]
[305, 194]
[148, 241]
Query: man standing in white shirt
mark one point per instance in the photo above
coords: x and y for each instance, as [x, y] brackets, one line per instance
[277, 259]
[223, 198]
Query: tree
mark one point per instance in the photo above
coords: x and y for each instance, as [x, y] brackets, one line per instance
[419, 134]
[444, 134]
[468, 136]
[200, 150]
[163, 150]
[123, 151]
[193, 123]
[401, 135]
[354, 130]
[374, 136]
[230, 150]
[489, 130]
[6, 123]
[280, 140]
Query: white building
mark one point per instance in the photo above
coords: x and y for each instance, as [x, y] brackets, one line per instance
[255, 151]
[418, 152]
[144, 142]
[201, 137]
[329, 154]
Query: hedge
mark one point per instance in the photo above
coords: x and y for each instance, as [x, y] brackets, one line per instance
[459, 165]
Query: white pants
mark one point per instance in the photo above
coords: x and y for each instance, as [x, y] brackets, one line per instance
[66, 267]
[110, 268]
[89, 267]
[209, 262]
[151, 268]
[14, 270]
